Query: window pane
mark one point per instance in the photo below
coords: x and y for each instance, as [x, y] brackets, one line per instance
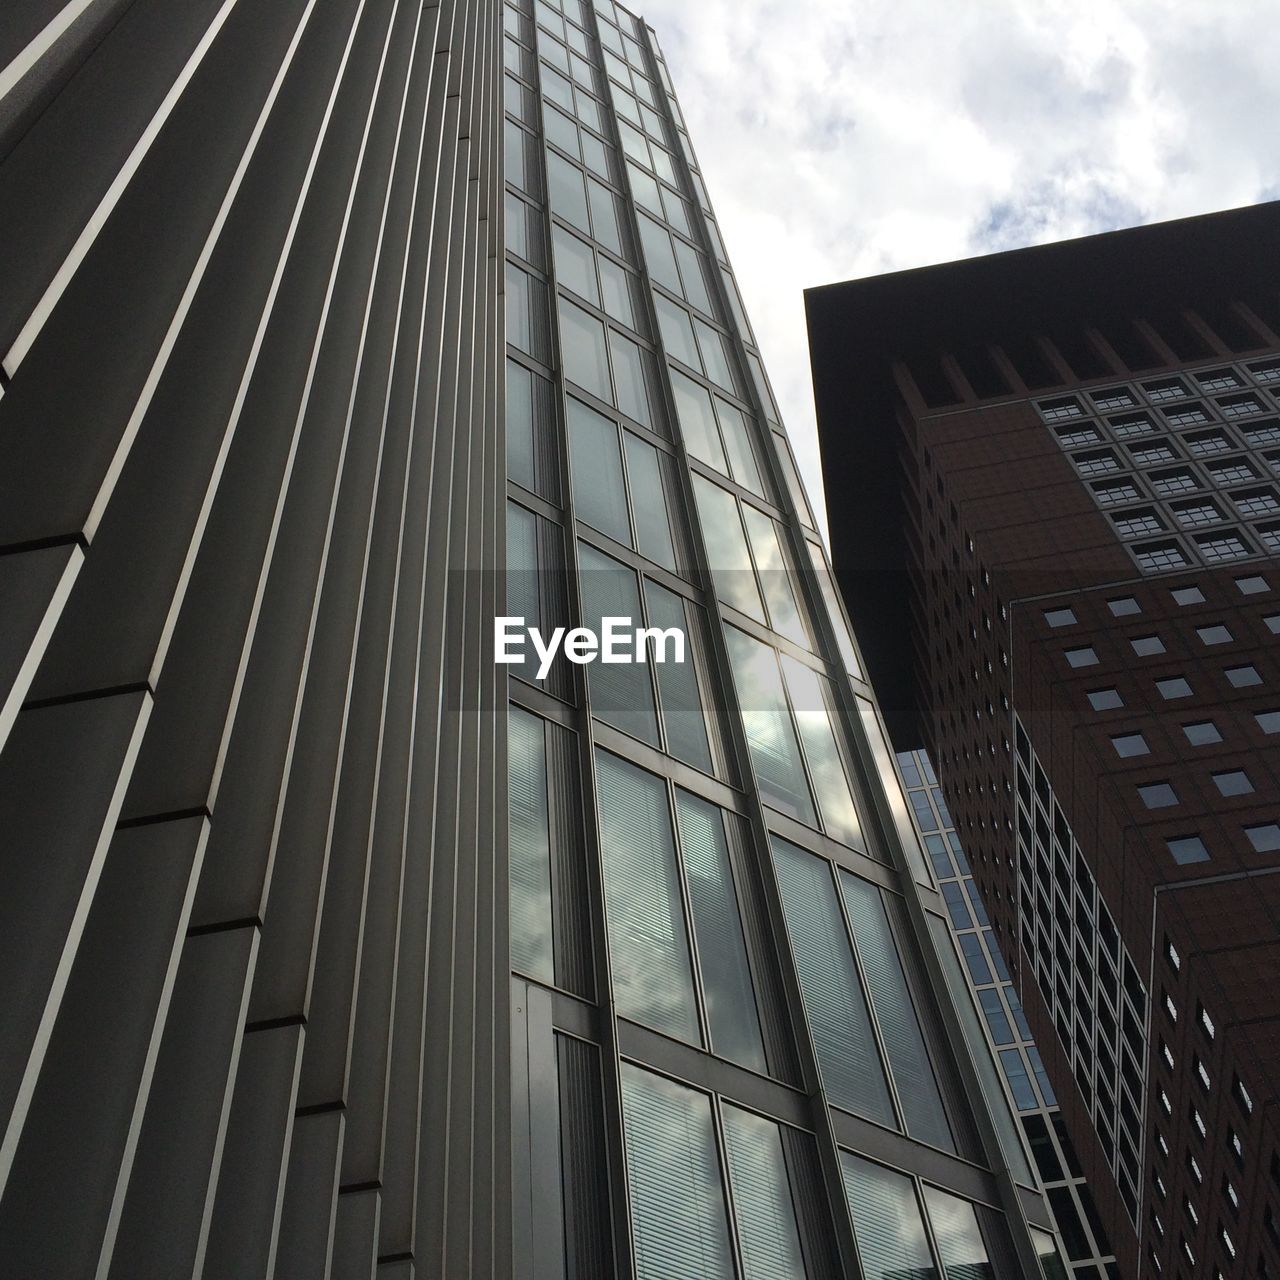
[763, 1208]
[717, 926]
[727, 548]
[682, 709]
[568, 199]
[833, 995]
[695, 285]
[714, 358]
[678, 1219]
[518, 333]
[648, 949]
[892, 1001]
[522, 577]
[886, 1221]
[628, 371]
[843, 639]
[653, 520]
[530, 844]
[575, 265]
[830, 784]
[586, 361]
[615, 284]
[737, 441]
[598, 493]
[774, 576]
[520, 424]
[656, 242]
[604, 216]
[960, 1244]
[677, 331]
[697, 422]
[767, 724]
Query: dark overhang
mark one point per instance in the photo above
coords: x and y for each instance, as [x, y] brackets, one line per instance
[859, 328]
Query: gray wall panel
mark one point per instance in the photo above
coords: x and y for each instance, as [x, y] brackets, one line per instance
[310, 1197]
[355, 1242]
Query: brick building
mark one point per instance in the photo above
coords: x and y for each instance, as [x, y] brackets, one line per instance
[1065, 585]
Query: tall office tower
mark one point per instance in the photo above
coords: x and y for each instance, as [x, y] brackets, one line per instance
[1064, 579]
[330, 946]
[1080, 1229]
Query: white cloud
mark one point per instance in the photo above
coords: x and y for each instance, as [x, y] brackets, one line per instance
[843, 138]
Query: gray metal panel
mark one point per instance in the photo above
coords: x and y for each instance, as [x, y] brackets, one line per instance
[250, 1189]
[78, 1141]
[165, 1219]
[61, 785]
[355, 1242]
[310, 1197]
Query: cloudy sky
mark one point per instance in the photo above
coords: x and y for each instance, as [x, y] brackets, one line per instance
[843, 138]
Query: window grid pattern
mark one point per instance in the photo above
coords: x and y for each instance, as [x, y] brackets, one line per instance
[1092, 987]
[1005, 1024]
[1218, 415]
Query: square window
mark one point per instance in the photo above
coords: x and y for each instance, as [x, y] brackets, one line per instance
[1186, 849]
[1233, 782]
[1202, 733]
[1268, 721]
[1233, 471]
[1196, 512]
[1167, 483]
[1265, 838]
[1082, 657]
[1273, 623]
[1105, 699]
[1124, 606]
[1130, 744]
[1252, 586]
[1187, 595]
[1173, 687]
[1158, 556]
[1059, 617]
[1145, 646]
[1242, 677]
[1152, 455]
[1216, 634]
[1076, 437]
[1158, 795]
[1137, 524]
[1097, 463]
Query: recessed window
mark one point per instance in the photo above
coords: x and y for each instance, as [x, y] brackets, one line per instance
[1206, 1022]
[1255, 503]
[1158, 556]
[1232, 471]
[1233, 782]
[1188, 415]
[1060, 410]
[1105, 699]
[1216, 634]
[1266, 370]
[1129, 425]
[1242, 406]
[1187, 595]
[1082, 657]
[1268, 721]
[1157, 795]
[1130, 744]
[1116, 491]
[1228, 545]
[1181, 480]
[1059, 617]
[1196, 512]
[1124, 606]
[1151, 455]
[1137, 524]
[1219, 380]
[1253, 585]
[1188, 849]
[1242, 677]
[1165, 389]
[1265, 837]
[1097, 463]
[1202, 733]
[1074, 437]
[1273, 623]
[1261, 433]
[1145, 646]
[1205, 443]
[1173, 687]
[1112, 398]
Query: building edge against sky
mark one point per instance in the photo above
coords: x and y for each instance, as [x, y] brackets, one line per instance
[271, 836]
[1064, 582]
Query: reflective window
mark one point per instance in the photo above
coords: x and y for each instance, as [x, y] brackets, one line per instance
[649, 503]
[599, 493]
[519, 412]
[730, 560]
[764, 1209]
[583, 350]
[817, 733]
[683, 714]
[530, 846]
[887, 1222]
[960, 1244]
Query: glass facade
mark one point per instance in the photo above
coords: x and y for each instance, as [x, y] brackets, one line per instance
[1085, 1250]
[736, 1042]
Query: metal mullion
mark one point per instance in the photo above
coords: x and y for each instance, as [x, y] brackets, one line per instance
[718, 658]
[611, 1082]
[726, 1182]
[691, 933]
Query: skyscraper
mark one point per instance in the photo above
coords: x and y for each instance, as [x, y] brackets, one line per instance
[1064, 583]
[333, 334]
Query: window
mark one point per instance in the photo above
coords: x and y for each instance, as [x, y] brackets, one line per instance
[1159, 556]
[1081, 657]
[1105, 699]
[1130, 744]
[1242, 406]
[584, 350]
[1268, 721]
[1060, 410]
[1173, 687]
[1215, 634]
[1241, 1095]
[1263, 433]
[530, 846]
[1167, 483]
[1234, 471]
[1123, 606]
[1265, 837]
[1218, 380]
[1253, 585]
[1233, 782]
[1073, 438]
[1202, 1074]
[1136, 524]
[1171, 954]
[1130, 425]
[1187, 849]
[1206, 1023]
[887, 1221]
[1273, 623]
[1157, 795]
[1152, 455]
[1060, 617]
[1115, 492]
[1223, 546]
[1206, 443]
[1187, 595]
[833, 994]
[1266, 371]
[1242, 677]
[1187, 416]
[1196, 512]
[1256, 502]
[1146, 646]
[1097, 463]
[1112, 398]
[1202, 733]
[1165, 389]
